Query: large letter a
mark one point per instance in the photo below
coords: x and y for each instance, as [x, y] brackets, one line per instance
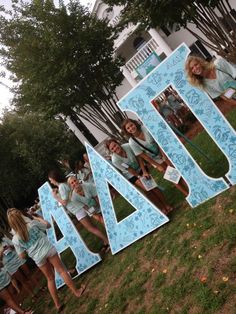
[145, 219]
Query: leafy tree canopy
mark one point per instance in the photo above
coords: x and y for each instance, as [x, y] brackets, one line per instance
[31, 145]
[61, 58]
[215, 19]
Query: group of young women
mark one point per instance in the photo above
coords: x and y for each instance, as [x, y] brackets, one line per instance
[135, 159]
[77, 193]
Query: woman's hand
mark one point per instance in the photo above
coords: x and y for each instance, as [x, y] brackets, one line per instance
[85, 207]
[146, 174]
[229, 101]
[158, 167]
[54, 193]
[23, 255]
[45, 222]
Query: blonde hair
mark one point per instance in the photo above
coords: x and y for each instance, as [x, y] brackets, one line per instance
[197, 80]
[71, 177]
[17, 223]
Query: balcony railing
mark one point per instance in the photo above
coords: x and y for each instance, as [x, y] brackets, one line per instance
[142, 55]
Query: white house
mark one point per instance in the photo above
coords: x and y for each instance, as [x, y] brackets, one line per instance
[142, 51]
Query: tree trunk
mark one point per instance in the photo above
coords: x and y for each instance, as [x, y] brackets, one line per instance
[83, 129]
[218, 26]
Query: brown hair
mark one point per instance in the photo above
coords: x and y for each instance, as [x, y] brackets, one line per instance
[17, 223]
[57, 175]
[197, 80]
[110, 140]
[123, 126]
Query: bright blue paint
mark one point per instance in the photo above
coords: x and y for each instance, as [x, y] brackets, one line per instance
[145, 219]
[138, 100]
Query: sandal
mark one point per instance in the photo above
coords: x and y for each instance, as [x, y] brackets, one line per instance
[105, 248]
[82, 289]
[61, 308]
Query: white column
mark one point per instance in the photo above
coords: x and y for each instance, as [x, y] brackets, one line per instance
[128, 76]
[160, 41]
[76, 131]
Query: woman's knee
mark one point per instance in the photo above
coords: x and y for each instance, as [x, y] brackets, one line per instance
[50, 277]
[91, 228]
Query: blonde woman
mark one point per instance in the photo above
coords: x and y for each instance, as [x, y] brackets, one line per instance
[30, 239]
[214, 77]
[85, 204]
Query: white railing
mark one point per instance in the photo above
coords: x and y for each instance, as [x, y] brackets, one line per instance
[115, 20]
[142, 55]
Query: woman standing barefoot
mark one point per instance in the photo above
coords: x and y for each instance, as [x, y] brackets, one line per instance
[29, 237]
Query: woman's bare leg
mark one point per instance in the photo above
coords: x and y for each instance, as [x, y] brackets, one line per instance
[182, 187]
[32, 281]
[155, 197]
[15, 285]
[87, 223]
[48, 271]
[57, 264]
[6, 296]
[23, 280]
[25, 269]
[162, 200]
[99, 218]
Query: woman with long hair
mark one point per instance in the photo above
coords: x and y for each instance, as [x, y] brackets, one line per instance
[63, 192]
[123, 158]
[145, 148]
[214, 77]
[30, 238]
[85, 201]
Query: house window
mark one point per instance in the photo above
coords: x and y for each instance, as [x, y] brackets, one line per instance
[197, 48]
[108, 14]
[138, 43]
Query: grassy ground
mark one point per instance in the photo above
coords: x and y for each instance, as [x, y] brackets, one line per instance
[187, 266]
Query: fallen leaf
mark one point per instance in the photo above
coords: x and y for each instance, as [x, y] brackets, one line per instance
[199, 256]
[225, 278]
[164, 271]
[203, 279]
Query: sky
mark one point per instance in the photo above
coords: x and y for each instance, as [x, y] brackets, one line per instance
[5, 95]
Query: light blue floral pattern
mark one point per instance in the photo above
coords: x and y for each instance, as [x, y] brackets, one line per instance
[85, 259]
[144, 220]
[138, 100]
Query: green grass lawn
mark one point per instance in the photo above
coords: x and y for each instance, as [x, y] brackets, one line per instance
[186, 266]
